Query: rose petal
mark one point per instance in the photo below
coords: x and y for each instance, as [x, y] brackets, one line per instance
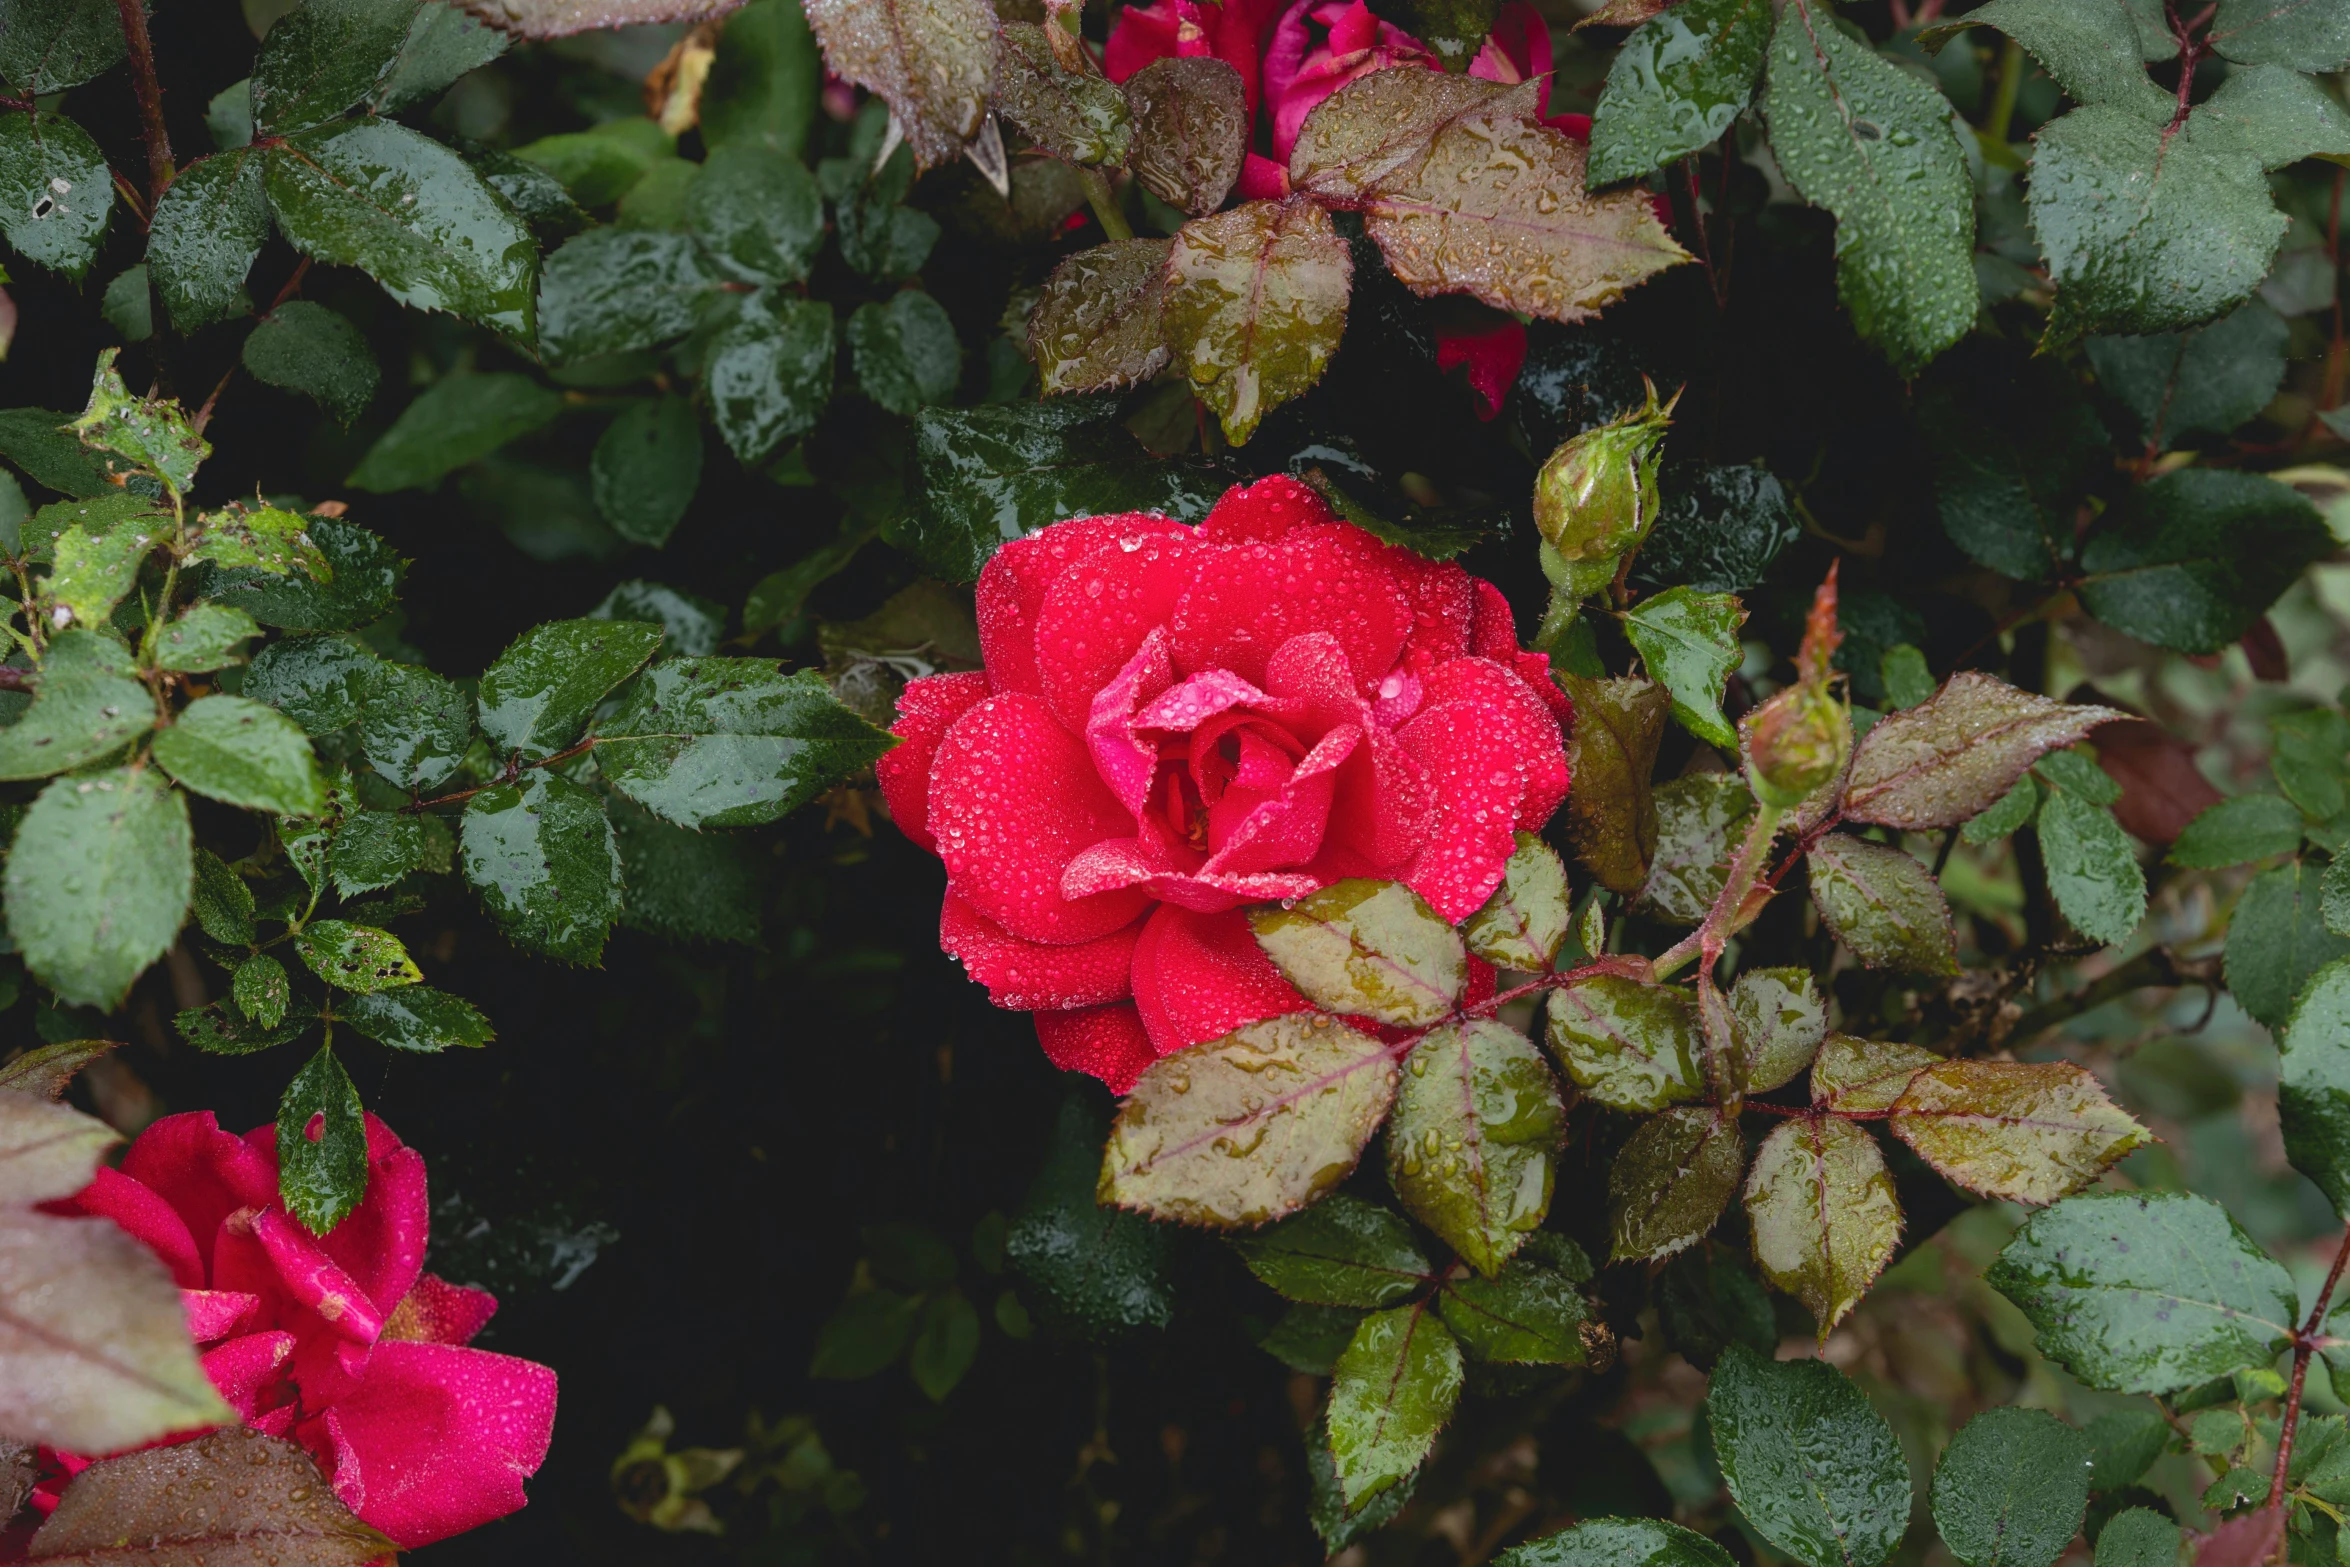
[1284, 828]
[1543, 753]
[1479, 780]
[1518, 50]
[1097, 613]
[1025, 976]
[438, 1312]
[147, 1217]
[1247, 601]
[1014, 797]
[313, 1279]
[1117, 863]
[249, 1372]
[1261, 179]
[204, 1173]
[1200, 976]
[1262, 512]
[1492, 357]
[926, 709]
[1104, 1042]
[1127, 762]
[1013, 583]
[1381, 812]
[381, 1244]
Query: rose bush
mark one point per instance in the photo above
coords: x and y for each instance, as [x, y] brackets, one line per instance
[1174, 722]
[341, 1342]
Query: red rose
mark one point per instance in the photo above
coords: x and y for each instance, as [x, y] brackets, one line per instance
[1175, 722]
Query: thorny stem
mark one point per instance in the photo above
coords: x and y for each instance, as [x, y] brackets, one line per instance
[150, 90]
[2305, 1344]
[1104, 202]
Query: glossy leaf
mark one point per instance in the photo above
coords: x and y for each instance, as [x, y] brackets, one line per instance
[1098, 322]
[1366, 949]
[1777, 1021]
[1255, 302]
[234, 1491]
[685, 885]
[543, 858]
[322, 57]
[757, 212]
[2236, 831]
[1524, 923]
[1816, 1471]
[1689, 641]
[1865, 1076]
[2195, 557]
[2206, 382]
[443, 44]
[2278, 939]
[537, 697]
[456, 420]
[2146, 1292]
[55, 196]
[1618, 1542]
[1078, 117]
[2313, 1093]
[94, 562]
[261, 990]
[1671, 1181]
[321, 1144]
[764, 79]
[1676, 85]
[221, 902]
[1628, 1045]
[207, 231]
[152, 435]
[1952, 757]
[98, 881]
[221, 1029]
[2092, 51]
[1718, 527]
[1473, 1144]
[1883, 905]
[356, 958]
[1393, 1391]
[2092, 868]
[359, 575]
[646, 467]
[1701, 820]
[1088, 1270]
[731, 742]
[2010, 1489]
[46, 48]
[1612, 820]
[1824, 1216]
[1249, 1127]
[87, 701]
[314, 351]
[614, 290]
[205, 637]
[932, 61]
[905, 352]
[1342, 1251]
[769, 374]
[242, 753]
[2028, 1132]
[1190, 130]
[1524, 1315]
[413, 725]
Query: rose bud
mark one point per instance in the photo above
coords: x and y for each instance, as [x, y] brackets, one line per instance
[1596, 497]
[1795, 742]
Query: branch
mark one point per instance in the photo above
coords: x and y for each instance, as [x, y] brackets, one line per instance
[2305, 1344]
[150, 90]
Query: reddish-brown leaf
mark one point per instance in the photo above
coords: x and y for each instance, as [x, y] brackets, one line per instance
[932, 61]
[1190, 131]
[2162, 788]
[2248, 1541]
[235, 1498]
[1952, 756]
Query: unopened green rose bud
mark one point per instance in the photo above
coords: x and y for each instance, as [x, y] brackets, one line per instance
[1596, 497]
[1794, 743]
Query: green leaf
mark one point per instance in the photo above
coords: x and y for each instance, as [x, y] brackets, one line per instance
[1676, 85]
[2092, 868]
[601, 164]
[1367, 949]
[731, 742]
[1473, 1146]
[1689, 641]
[769, 374]
[1310, 1339]
[1701, 819]
[905, 352]
[1523, 1315]
[2146, 1292]
[757, 212]
[2123, 1445]
[1628, 1045]
[1255, 304]
[1718, 528]
[2205, 382]
[1342, 1251]
[612, 291]
[208, 229]
[55, 195]
[1090, 1272]
[1860, 136]
[2262, 32]
[443, 44]
[684, 885]
[2139, 1537]
[865, 1336]
[373, 849]
[1883, 905]
[538, 696]
[1777, 1021]
[880, 239]
[47, 46]
[318, 353]
[222, 1030]
[229, 116]
[983, 476]
[2237, 831]
[321, 1175]
[456, 420]
[646, 467]
[1100, 322]
[268, 539]
[762, 84]
[1393, 1391]
[36, 440]
[2008, 814]
[1301, 1094]
[409, 213]
[322, 57]
[261, 990]
[318, 682]
[1825, 1220]
[96, 558]
[356, 958]
[362, 578]
[1816, 1471]
[1524, 923]
[1076, 118]
[2313, 1096]
[98, 881]
[689, 623]
[87, 701]
[1671, 1181]
[242, 753]
[2275, 117]
[416, 1017]
[2278, 939]
[2192, 559]
[1707, 1301]
[944, 1345]
[1191, 126]
[151, 433]
[2027, 1132]
[221, 902]
[1907, 679]
[1618, 1542]
[2307, 759]
[1953, 757]
[1611, 815]
[414, 726]
[203, 638]
[2092, 51]
[544, 860]
[2010, 1489]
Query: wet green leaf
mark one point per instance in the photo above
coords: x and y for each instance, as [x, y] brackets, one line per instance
[221, 902]
[905, 352]
[769, 374]
[318, 353]
[1816, 1471]
[2139, 1537]
[1523, 1315]
[2237, 831]
[931, 60]
[1825, 1220]
[207, 231]
[321, 1144]
[2206, 382]
[55, 196]
[1249, 1127]
[1612, 820]
[612, 291]
[2146, 1292]
[1701, 819]
[1883, 905]
[685, 885]
[98, 881]
[267, 539]
[322, 57]
[1671, 1181]
[1191, 124]
[409, 213]
[1953, 757]
[1524, 923]
[362, 576]
[416, 1017]
[87, 701]
[2093, 868]
[543, 858]
[413, 725]
[757, 212]
[1628, 1045]
[1255, 303]
[1777, 1021]
[1090, 1271]
[1707, 1301]
[764, 80]
[205, 637]
[1473, 1146]
[2092, 51]
[456, 420]
[1718, 527]
[443, 44]
[878, 237]
[1865, 1076]
[1618, 1542]
[1689, 641]
[151, 434]
[603, 163]
[1342, 1251]
[2028, 1132]
[373, 849]
[1366, 949]
[1311, 1338]
[646, 467]
[1097, 324]
[242, 753]
[261, 990]
[357, 958]
[2278, 939]
[537, 697]
[731, 742]
[1676, 85]
[222, 1030]
[46, 48]
[689, 622]
[1080, 118]
[2313, 1096]
[93, 565]
[1393, 1391]
[2260, 32]
[2010, 1489]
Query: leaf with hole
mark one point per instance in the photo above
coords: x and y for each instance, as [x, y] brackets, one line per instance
[321, 1144]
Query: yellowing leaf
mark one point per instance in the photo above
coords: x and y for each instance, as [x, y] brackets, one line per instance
[932, 61]
[1368, 949]
[1255, 305]
[1249, 1127]
[2026, 1131]
[1864, 1076]
[47, 1150]
[230, 1498]
[1466, 192]
[1611, 814]
[1823, 1212]
[1953, 756]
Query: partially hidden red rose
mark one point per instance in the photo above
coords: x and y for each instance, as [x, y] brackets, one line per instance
[1176, 722]
[1232, 32]
[341, 1342]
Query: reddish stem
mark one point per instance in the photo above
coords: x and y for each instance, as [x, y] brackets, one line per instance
[2304, 1345]
[150, 90]
[513, 769]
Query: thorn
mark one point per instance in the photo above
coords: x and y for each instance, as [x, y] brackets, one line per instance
[986, 152]
[890, 141]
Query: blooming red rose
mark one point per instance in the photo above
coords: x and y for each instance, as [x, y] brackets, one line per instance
[340, 1342]
[1175, 722]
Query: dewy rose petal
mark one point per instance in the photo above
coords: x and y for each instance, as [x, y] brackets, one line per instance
[1175, 723]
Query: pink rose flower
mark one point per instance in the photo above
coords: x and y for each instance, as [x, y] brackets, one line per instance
[340, 1342]
[1318, 47]
[1232, 32]
[1175, 722]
